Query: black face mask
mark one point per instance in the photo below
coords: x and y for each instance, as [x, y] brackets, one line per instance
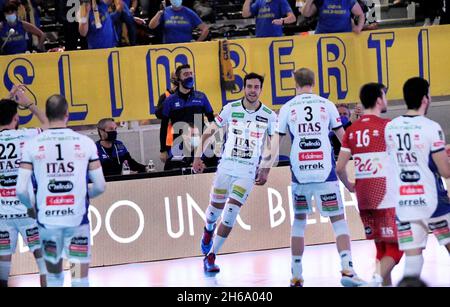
[112, 136]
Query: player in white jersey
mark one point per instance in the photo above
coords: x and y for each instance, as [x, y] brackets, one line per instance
[13, 214]
[416, 146]
[248, 123]
[309, 118]
[62, 161]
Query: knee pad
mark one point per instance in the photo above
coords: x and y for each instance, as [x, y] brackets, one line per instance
[41, 266]
[55, 280]
[393, 251]
[230, 215]
[340, 228]
[298, 228]
[212, 214]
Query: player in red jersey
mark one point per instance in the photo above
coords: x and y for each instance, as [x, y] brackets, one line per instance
[364, 140]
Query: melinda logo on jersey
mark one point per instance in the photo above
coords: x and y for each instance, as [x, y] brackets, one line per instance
[311, 156]
[8, 181]
[60, 186]
[409, 176]
[307, 144]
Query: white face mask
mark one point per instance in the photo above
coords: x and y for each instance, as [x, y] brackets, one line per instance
[176, 3]
[11, 19]
[195, 141]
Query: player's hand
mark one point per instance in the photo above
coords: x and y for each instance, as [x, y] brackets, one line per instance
[278, 21]
[31, 213]
[198, 166]
[351, 187]
[18, 95]
[261, 176]
[164, 156]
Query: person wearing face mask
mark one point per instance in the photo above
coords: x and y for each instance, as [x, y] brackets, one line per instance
[104, 37]
[186, 105]
[15, 33]
[178, 22]
[112, 152]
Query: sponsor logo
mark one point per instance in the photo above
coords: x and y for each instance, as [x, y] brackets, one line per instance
[409, 176]
[368, 230]
[439, 144]
[307, 144]
[237, 131]
[267, 110]
[66, 200]
[63, 212]
[261, 119]
[237, 115]
[236, 104]
[256, 134]
[420, 202]
[8, 181]
[338, 120]
[300, 202]
[41, 148]
[412, 190]
[329, 202]
[368, 166]
[219, 119]
[323, 110]
[79, 241]
[308, 167]
[7, 192]
[60, 186]
[437, 225]
[239, 191]
[234, 122]
[49, 248]
[39, 156]
[311, 156]
[4, 235]
[416, 137]
[77, 147]
[309, 127]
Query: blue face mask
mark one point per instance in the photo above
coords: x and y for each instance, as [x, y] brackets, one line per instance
[11, 19]
[176, 3]
[188, 83]
[344, 120]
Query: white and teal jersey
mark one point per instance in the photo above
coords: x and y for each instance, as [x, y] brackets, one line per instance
[309, 118]
[60, 160]
[11, 144]
[246, 134]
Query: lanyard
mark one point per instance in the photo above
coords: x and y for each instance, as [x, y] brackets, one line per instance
[117, 153]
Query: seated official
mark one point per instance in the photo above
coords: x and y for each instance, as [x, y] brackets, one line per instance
[113, 153]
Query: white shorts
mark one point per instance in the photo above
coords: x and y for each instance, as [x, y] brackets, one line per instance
[327, 197]
[226, 186]
[72, 242]
[9, 231]
[412, 235]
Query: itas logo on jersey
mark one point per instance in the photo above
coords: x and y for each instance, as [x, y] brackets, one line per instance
[8, 181]
[60, 186]
[311, 156]
[366, 167]
[66, 200]
[8, 192]
[308, 144]
[60, 169]
[406, 158]
[412, 190]
[409, 176]
[309, 128]
[9, 165]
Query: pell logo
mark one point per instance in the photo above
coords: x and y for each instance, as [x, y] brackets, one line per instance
[66, 200]
[412, 190]
[311, 156]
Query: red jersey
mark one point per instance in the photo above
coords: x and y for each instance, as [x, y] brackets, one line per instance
[364, 139]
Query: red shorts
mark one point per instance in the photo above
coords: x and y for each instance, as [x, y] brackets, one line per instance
[379, 224]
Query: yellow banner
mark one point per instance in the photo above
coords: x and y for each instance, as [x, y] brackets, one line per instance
[126, 83]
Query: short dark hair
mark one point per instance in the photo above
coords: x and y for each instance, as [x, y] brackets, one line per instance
[8, 109]
[56, 108]
[10, 7]
[304, 77]
[102, 123]
[180, 68]
[253, 75]
[369, 93]
[414, 90]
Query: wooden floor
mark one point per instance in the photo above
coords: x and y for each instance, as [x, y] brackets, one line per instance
[270, 268]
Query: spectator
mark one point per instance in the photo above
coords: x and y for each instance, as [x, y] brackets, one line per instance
[160, 107]
[70, 24]
[433, 11]
[270, 16]
[178, 22]
[104, 37]
[124, 15]
[335, 16]
[14, 32]
[113, 153]
[347, 118]
[184, 106]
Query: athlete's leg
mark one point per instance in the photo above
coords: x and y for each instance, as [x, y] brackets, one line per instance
[297, 248]
[41, 266]
[5, 269]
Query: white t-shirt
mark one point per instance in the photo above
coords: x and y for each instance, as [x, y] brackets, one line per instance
[411, 140]
[309, 118]
[246, 134]
[60, 159]
[11, 144]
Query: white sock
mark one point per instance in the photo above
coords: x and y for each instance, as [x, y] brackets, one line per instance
[217, 245]
[346, 260]
[55, 280]
[5, 268]
[413, 265]
[80, 282]
[296, 267]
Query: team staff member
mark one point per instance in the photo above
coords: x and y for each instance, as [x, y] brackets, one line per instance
[113, 153]
[184, 106]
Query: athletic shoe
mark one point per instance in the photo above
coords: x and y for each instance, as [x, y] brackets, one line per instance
[209, 264]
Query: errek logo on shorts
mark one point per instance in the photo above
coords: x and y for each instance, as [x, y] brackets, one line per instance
[412, 190]
[329, 202]
[311, 156]
[66, 200]
[7, 192]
